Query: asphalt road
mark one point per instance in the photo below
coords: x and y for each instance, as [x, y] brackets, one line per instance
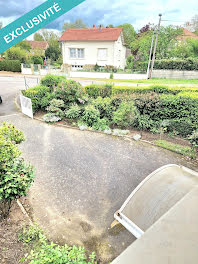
[82, 178]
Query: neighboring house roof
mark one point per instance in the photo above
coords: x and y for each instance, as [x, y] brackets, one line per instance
[39, 44]
[187, 34]
[91, 34]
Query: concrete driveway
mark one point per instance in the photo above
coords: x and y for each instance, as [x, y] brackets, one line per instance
[82, 178]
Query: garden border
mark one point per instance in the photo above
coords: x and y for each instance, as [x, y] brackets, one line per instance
[99, 132]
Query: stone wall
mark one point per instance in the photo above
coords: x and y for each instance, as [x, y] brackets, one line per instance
[173, 74]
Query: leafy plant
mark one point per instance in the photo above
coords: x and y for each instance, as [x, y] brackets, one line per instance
[73, 112]
[44, 252]
[194, 139]
[70, 92]
[52, 81]
[51, 118]
[55, 108]
[90, 115]
[125, 114]
[10, 132]
[101, 125]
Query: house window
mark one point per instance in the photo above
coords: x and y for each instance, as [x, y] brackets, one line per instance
[102, 54]
[77, 53]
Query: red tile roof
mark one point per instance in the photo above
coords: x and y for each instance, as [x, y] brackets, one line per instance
[187, 34]
[91, 34]
[39, 44]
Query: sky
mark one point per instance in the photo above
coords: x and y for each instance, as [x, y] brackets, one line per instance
[116, 12]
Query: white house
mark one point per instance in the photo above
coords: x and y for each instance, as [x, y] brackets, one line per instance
[88, 47]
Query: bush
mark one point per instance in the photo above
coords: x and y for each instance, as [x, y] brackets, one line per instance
[131, 90]
[37, 60]
[16, 176]
[16, 180]
[160, 89]
[9, 132]
[189, 95]
[105, 106]
[125, 115]
[101, 124]
[73, 112]
[194, 139]
[52, 81]
[45, 101]
[188, 64]
[10, 65]
[90, 115]
[70, 92]
[95, 90]
[16, 53]
[36, 94]
[55, 107]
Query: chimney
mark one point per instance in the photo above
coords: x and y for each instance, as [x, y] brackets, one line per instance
[94, 26]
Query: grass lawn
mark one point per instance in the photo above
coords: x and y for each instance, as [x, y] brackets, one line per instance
[183, 150]
[152, 81]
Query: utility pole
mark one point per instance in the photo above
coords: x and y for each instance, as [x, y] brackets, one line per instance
[150, 55]
[155, 47]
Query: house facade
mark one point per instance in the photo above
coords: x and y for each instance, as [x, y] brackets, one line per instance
[88, 47]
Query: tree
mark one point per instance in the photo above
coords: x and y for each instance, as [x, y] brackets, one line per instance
[38, 37]
[16, 53]
[110, 26]
[129, 33]
[53, 53]
[25, 45]
[16, 176]
[78, 23]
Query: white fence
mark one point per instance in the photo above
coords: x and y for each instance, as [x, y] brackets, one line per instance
[37, 69]
[26, 106]
[105, 75]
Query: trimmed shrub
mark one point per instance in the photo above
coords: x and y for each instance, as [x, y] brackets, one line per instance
[129, 89]
[36, 94]
[193, 95]
[10, 65]
[52, 80]
[96, 90]
[189, 64]
[70, 92]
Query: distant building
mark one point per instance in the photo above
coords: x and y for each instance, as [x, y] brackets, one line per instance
[38, 47]
[88, 47]
[186, 35]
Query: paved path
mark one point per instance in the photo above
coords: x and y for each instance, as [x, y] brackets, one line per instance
[82, 178]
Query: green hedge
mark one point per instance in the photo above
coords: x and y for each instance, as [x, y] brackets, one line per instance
[180, 113]
[95, 90]
[52, 80]
[36, 94]
[10, 65]
[177, 64]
